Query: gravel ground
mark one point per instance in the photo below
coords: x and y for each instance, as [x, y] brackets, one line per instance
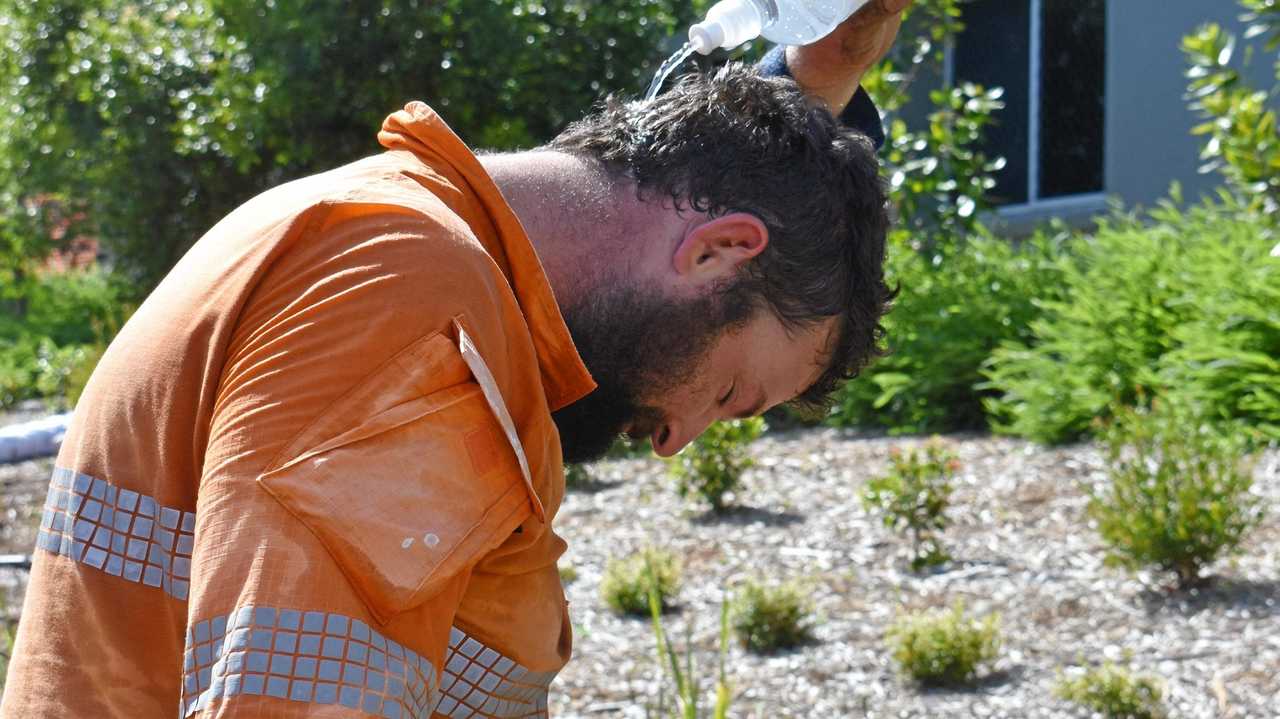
[1022, 548]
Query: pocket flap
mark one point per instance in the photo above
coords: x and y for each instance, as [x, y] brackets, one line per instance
[415, 489]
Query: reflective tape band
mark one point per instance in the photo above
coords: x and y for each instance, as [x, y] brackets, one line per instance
[478, 681]
[316, 657]
[118, 531]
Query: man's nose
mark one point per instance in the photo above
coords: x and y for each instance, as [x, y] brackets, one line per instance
[672, 437]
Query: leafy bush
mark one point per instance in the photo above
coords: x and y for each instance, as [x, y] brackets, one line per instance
[913, 497]
[958, 302]
[1133, 294]
[1178, 496]
[1114, 693]
[938, 179]
[768, 618]
[1227, 350]
[1240, 121]
[712, 465]
[943, 648]
[626, 582]
[55, 328]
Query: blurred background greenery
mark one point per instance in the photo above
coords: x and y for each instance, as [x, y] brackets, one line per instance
[129, 128]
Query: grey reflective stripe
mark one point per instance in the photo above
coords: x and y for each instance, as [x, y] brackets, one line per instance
[478, 681]
[315, 657]
[118, 531]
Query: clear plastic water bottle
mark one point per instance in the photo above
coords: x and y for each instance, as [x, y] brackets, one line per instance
[730, 23]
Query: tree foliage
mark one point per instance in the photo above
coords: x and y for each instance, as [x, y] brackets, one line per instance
[1241, 136]
[156, 117]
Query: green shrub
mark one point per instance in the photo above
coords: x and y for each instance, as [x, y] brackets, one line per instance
[1227, 351]
[626, 582]
[1132, 294]
[1179, 491]
[19, 368]
[568, 573]
[1114, 693]
[55, 329]
[1240, 121]
[958, 302]
[943, 648]
[913, 498]
[712, 465]
[769, 618]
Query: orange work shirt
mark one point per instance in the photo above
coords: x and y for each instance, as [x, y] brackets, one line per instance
[314, 475]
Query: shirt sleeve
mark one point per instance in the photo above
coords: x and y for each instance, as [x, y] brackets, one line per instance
[326, 577]
[860, 114]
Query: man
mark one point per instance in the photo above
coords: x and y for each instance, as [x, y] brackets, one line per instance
[315, 473]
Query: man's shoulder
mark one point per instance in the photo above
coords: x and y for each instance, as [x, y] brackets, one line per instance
[387, 184]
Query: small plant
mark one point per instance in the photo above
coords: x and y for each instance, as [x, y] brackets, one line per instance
[913, 497]
[943, 648]
[712, 465]
[576, 476]
[770, 618]
[1114, 693]
[568, 573]
[1179, 491]
[627, 581]
[685, 681]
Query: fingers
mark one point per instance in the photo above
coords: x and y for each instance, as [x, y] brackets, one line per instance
[892, 6]
[878, 11]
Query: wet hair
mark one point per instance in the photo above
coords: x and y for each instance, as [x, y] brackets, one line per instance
[735, 141]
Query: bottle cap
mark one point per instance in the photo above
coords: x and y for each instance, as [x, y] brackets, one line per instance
[729, 23]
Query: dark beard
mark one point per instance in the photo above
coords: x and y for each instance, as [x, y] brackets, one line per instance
[635, 345]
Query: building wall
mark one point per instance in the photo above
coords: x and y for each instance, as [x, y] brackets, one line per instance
[1149, 141]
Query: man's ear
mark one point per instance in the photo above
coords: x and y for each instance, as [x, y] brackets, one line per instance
[716, 249]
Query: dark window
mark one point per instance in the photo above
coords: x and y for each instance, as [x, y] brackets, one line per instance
[995, 51]
[1072, 79]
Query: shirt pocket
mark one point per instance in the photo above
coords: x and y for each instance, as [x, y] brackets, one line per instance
[408, 480]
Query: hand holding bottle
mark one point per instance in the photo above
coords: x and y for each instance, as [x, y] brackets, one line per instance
[832, 43]
[832, 67]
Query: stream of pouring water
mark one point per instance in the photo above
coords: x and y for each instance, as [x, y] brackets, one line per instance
[666, 69]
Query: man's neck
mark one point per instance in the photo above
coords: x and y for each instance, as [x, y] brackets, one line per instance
[565, 204]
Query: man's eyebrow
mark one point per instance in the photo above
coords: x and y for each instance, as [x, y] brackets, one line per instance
[755, 409]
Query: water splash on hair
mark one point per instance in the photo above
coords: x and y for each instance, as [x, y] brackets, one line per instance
[666, 69]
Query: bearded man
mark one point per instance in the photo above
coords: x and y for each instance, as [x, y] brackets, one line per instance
[314, 475]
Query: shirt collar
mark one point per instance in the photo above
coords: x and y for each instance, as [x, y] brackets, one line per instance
[420, 130]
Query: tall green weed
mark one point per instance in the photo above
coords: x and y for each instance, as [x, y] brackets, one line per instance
[686, 686]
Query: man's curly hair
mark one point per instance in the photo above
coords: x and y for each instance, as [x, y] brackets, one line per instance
[735, 141]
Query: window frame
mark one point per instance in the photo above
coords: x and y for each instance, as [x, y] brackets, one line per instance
[1083, 202]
